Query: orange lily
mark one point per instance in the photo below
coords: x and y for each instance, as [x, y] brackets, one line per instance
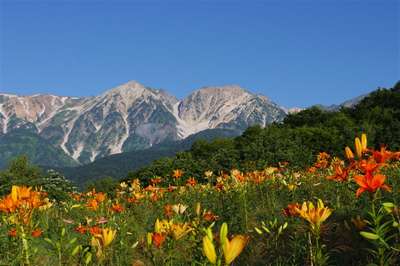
[36, 233]
[177, 173]
[340, 174]
[117, 207]
[370, 183]
[383, 155]
[12, 232]
[291, 209]
[93, 204]
[191, 182]
[369, 166]
[158, 239]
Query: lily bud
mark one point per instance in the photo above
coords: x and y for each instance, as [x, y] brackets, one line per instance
[349, 153]
[157, 227]
[364, 142]
[209, 250]
[223, 233]
[149, 238]
[198, 208]
[358, 146]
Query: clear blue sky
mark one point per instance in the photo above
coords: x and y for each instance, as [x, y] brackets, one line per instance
[298, 53]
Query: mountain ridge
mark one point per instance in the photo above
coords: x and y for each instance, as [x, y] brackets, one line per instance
[131, 117]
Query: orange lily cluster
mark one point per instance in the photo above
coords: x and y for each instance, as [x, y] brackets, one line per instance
[22, 200]
[366, 166]
[95, 199]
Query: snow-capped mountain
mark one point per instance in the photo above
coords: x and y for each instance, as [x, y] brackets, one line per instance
[224, 107]
[131, 117]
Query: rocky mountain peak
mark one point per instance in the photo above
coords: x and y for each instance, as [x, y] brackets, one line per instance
[129, 88]
[227, 91]
[131, 91]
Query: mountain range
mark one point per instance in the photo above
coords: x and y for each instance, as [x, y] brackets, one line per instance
[64, 131]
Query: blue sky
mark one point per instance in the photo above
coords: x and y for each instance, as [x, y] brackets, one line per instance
[298, 53]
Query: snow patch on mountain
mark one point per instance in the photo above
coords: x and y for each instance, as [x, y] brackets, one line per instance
[187, 127]
[5, 119]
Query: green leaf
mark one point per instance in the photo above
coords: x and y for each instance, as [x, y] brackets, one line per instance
[48, 240]
[76, 250]
[88, 258]
[72, 241]
[258, 231]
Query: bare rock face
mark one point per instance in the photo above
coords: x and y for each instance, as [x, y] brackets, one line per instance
[131, 117]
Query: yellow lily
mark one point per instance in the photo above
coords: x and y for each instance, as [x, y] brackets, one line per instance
[162, 226]
[180, 230]
[234, 247]
[314, 215]
[231, 248]
[209, 250]
[107, 236]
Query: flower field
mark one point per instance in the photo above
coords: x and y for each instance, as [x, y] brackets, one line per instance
[340, 211]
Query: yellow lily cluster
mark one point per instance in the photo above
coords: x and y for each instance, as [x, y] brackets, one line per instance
[177, 230]
[231, 248]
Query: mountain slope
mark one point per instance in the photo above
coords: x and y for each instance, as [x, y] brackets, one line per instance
[119, 165]
[22, 141]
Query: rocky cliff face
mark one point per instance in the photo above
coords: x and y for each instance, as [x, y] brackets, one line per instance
[131, 117]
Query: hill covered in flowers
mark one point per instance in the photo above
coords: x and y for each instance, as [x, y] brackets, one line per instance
[339, 211]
